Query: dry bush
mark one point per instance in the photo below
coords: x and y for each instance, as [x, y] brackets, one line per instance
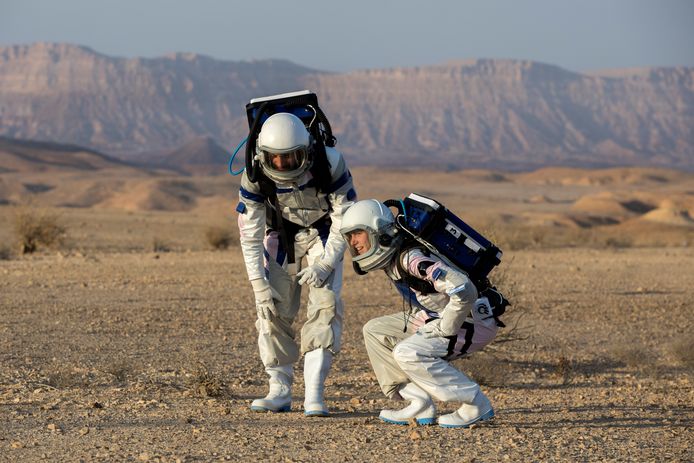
[36, 228]
[159, 245]
[207, 383]
[502, 278]
[220, 237]
[120, 370]
[564, 369]
[64, 378]
[5, 253]
[485, 369]
[683, 351]
[634, 356]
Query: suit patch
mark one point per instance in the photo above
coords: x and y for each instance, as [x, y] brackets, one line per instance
[241, 208]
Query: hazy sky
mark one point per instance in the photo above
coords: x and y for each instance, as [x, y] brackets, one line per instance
[355, 34]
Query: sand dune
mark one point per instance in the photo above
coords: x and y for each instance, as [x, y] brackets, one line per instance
[614, 176]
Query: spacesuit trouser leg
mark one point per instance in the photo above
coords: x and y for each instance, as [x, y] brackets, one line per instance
[276, 337]
[322, 332]
[381, 335]
[421, 359]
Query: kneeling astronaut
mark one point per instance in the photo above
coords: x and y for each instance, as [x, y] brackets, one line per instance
[410, 352]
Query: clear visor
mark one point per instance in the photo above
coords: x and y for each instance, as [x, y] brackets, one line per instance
[286, 161]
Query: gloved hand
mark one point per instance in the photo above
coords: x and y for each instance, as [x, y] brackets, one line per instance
[264, 304]
[314, 275]
[431, 329]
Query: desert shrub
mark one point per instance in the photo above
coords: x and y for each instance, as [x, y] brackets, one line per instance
[120, 370]
[159, 245]
[564, 369]
[683, 351]
[63, 377]
[485, 369]
[206, 383]
[219, 237]
[5, 253]
[634, 356]
[36, 228]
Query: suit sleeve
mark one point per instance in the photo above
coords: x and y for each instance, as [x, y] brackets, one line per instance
[455, 284]
[340, 196]
[251, 221]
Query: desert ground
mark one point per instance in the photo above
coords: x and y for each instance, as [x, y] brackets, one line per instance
[133, 339]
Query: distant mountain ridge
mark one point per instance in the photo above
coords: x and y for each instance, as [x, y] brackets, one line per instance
[473, 113]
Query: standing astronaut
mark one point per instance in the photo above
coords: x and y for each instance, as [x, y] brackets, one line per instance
[294, 210]
[410, 352]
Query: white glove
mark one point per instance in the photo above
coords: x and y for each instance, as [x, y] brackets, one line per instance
[264, 304]
[314, 275]
[431, 329]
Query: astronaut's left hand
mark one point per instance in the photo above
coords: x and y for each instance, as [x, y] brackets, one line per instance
[314, 275]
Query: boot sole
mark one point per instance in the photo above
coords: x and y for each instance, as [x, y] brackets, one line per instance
[485, 417]
[317, 413]
[420, 421]
[257, 408]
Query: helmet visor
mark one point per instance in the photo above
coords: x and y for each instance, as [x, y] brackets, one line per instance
[287, 161]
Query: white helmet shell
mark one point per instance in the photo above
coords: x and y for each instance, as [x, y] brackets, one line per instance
[378, 222]
[283, 147]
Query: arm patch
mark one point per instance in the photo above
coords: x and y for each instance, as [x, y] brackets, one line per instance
[241, 208]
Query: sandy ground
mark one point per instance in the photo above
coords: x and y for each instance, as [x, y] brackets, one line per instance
[110, 351]
[143, 356]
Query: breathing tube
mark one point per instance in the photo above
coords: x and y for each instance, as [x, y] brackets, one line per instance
[233, 156]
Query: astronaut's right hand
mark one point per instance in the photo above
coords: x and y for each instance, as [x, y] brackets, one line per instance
[264, 303]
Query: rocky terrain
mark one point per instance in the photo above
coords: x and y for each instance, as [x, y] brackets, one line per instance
[461, 114]
[133, 340]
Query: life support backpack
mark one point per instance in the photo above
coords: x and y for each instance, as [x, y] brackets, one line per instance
[427, 224]
[304, 105]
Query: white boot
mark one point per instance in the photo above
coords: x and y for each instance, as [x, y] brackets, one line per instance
[421, 407]
[279, 399]
[316, 367]
[479, 410]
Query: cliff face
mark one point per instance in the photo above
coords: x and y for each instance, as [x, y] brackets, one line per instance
[502, 113]
[72, 94]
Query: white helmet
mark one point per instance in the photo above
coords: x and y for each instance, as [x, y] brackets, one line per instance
[283, 147]
[378, 222]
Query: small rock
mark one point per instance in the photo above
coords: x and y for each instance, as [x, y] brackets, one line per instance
[17, 445]
[415, 435]
[355, 401]
[144, 456]
[84, 431]
[52, 427]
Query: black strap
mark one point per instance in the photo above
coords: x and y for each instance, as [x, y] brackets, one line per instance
[469, 333]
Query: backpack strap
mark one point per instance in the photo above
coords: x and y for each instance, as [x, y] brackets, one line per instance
[418, 284]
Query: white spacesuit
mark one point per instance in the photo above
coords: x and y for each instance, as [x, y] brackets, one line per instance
[274, 245]
[410, 352]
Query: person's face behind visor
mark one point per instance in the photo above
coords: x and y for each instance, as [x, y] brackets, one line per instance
[359, 242]
[285, 161]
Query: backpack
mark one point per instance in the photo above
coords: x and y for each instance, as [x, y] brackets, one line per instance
[426, 223]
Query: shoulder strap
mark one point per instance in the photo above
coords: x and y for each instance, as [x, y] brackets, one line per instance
[423, 286]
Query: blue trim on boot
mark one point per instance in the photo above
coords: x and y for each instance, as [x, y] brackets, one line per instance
[257, 408]
[420, 421]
